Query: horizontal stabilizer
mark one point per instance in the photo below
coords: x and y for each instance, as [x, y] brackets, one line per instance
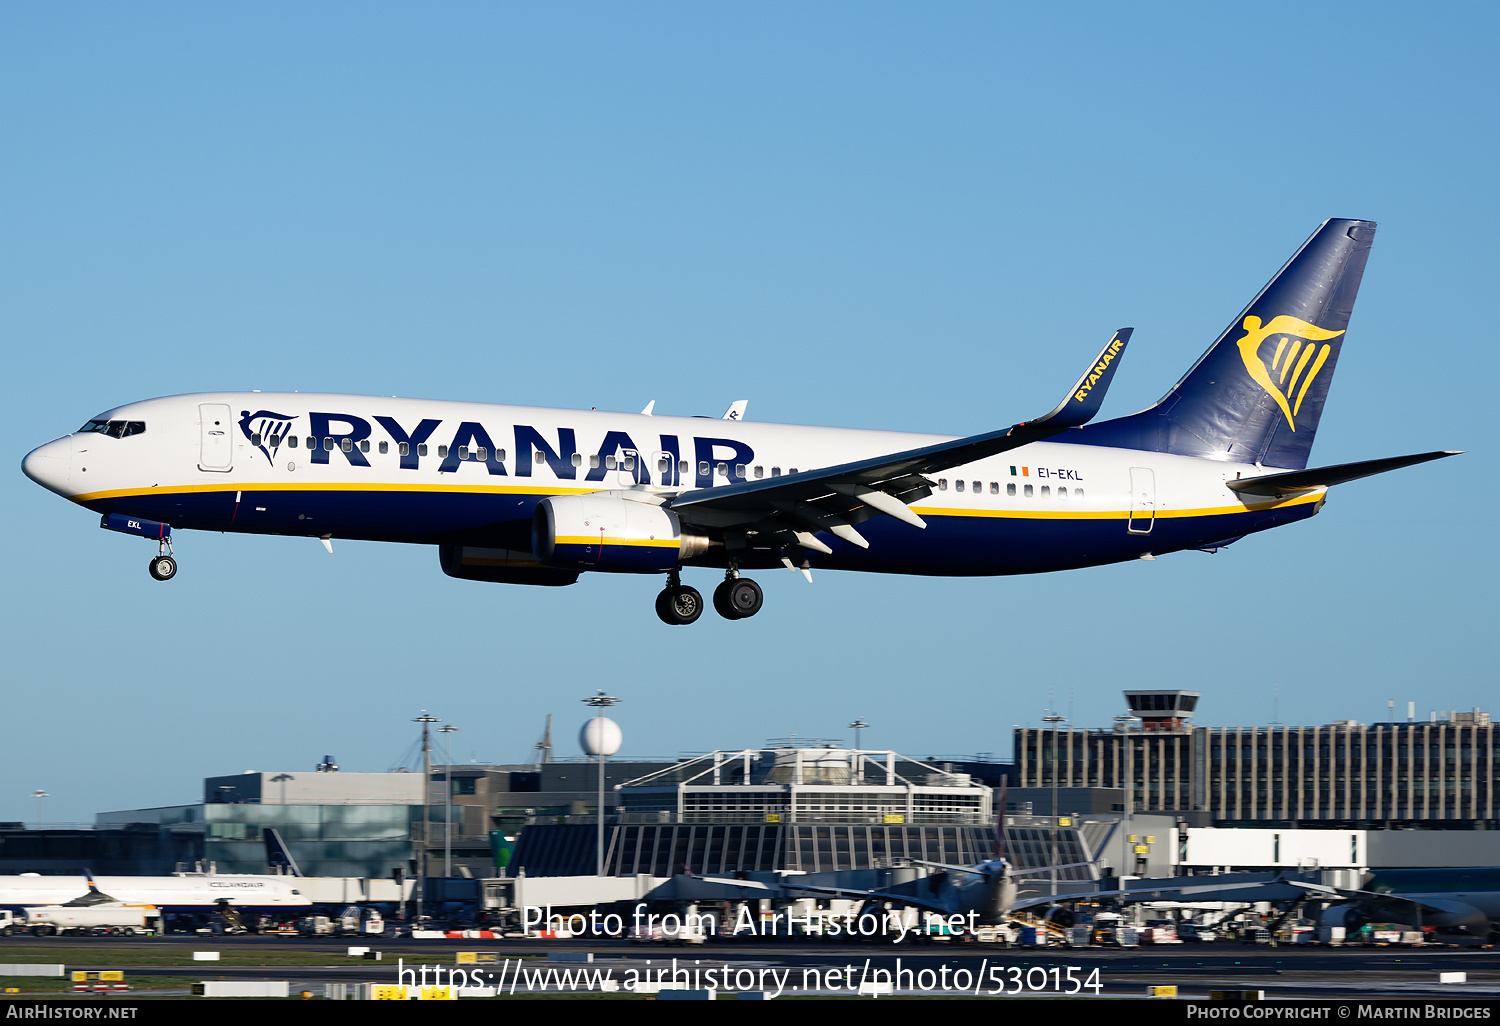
[1323, 477]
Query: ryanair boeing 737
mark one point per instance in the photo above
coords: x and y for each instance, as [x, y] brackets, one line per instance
[520, 495]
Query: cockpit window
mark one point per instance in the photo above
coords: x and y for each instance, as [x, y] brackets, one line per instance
[114, 428]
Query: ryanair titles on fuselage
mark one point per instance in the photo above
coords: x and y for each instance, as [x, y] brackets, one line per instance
[327, 434]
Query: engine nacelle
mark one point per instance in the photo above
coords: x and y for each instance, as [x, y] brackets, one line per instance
[604, 531]
[499, 566]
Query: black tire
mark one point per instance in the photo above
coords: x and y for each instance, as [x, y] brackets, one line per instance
[163, 568]
[738, 598]
[679, 606]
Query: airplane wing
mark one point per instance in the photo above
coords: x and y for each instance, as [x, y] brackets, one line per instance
[1380, 899]
[791, 510]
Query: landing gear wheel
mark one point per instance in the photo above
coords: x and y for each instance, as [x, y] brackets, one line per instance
[679, 605]
[738, 598]
[163, 568]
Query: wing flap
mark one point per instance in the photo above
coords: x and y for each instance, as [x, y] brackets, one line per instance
[835, 499]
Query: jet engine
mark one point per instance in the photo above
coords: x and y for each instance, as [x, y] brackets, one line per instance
[499, 566]
[606, 531]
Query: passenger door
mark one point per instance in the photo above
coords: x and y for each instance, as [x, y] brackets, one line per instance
[216, 448]
[1142, 500]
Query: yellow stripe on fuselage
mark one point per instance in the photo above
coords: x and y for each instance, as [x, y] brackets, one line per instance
[486, 489]
[661, 543]
[334, 486]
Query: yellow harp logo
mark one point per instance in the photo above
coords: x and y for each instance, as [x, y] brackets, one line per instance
[1287, 371]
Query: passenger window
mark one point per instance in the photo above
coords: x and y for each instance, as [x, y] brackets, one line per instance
[403, 449]
[421, 448]
[1028, 491]
[1062, 493]
[577, 459]
[594, 462]
[610, 463]
[275, 441]
[682, 466]
[499, 455]
[942, 484]
[463, 452]
[328, 444]
[629, 462]
[347, 445]
[255, 438]
[1077, 493]
[1046, 491]
[364, 445]
[1010, 489]
[792, 470]
[481, 453]
[977, 486]
[385, 447]
[312, 443]
[538, 458]
[775, 471]
[663, 465]
[722, 470]
[739, 470]
[760, 472]
[958, 486]
[994, 487]
[703, 469]
[291, 443]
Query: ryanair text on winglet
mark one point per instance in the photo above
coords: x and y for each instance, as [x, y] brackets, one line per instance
[1110, 352]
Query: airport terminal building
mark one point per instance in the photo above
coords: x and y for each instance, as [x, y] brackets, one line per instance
[1440, 774]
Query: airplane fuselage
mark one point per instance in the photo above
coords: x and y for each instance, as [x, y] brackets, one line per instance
[180, 893]
[430, 472]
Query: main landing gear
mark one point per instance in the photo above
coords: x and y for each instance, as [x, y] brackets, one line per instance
[163, 567]
[735, 599]
[738, 597]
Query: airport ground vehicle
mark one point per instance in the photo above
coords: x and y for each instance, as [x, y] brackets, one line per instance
[97, 920]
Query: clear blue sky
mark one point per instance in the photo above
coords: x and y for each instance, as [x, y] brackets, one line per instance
[910, 216]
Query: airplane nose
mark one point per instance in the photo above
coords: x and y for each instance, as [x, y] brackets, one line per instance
[51, 465]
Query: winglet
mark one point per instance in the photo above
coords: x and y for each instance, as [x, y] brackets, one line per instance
[1085, 398]
[649, 407]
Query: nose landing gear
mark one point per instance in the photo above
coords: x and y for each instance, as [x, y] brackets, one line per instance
[163, 567]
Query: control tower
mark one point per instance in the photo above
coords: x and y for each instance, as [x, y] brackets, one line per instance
[1164, 711]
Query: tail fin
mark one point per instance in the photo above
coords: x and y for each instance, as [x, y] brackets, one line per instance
[1257, 394]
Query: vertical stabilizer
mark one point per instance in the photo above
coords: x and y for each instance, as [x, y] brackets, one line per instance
[1256, 396]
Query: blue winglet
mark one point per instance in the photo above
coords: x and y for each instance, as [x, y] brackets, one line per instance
[1083, 401]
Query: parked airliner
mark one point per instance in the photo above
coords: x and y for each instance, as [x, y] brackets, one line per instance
[522, 495]
[183, 892]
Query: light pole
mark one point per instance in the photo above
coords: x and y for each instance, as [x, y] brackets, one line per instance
[424, 720]
[1054, 719]
[859, 760]
[600, 737]
[39, 794]
[445, 730]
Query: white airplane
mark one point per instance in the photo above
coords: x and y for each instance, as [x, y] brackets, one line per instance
[189, 892]
[522, 495]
